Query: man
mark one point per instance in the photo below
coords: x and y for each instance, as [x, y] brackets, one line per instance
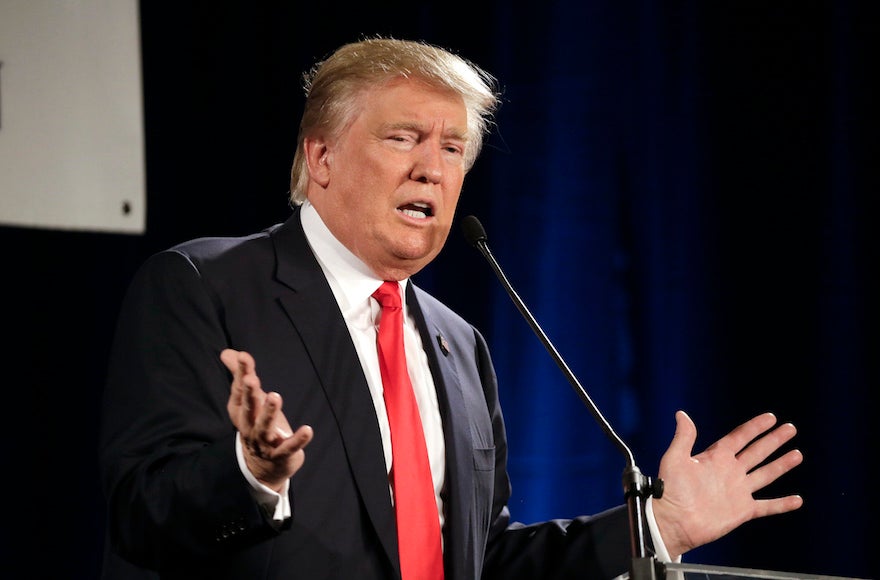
[209, 480]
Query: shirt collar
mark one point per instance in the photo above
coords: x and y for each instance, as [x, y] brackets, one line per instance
[352, 281]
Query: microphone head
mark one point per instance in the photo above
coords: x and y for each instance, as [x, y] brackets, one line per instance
[473, 230]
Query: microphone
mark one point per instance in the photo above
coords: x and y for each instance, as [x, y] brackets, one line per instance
[637, 486]
[476, 236]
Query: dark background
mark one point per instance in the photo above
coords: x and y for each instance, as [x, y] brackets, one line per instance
[679, 190]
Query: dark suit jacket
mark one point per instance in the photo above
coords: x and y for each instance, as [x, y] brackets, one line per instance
[177, 502]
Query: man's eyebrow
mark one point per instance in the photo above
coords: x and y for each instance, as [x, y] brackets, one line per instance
[416, 127]
[456, 134]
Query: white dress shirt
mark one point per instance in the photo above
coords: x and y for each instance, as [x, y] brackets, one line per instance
[353, 284]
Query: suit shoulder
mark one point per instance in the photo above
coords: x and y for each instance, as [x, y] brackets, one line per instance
[209, 257]
[206, 249]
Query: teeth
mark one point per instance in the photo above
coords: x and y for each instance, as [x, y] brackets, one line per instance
[412, 209]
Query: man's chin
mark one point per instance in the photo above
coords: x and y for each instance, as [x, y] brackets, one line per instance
[403, 264]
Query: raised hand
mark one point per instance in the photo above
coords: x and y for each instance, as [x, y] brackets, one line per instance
[708, 495]
[273, 452]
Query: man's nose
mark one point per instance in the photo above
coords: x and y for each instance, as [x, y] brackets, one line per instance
[428, 166]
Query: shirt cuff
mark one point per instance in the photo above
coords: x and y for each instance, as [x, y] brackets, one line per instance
[276, 504]
[660, 551]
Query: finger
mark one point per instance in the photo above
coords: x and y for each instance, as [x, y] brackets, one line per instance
[229, 357]
[737, 439]
[279, 426]
[253, 399]
[265, 426]
[765, 446]
[767, 474]
[780, 505]
[246, 362]
[685, 435]
[299, 440]
[240, 364]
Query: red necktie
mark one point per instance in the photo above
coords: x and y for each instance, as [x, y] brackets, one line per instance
[415, 507]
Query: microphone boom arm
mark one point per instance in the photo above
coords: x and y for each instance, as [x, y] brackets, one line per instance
[483, 247]
[637, 486]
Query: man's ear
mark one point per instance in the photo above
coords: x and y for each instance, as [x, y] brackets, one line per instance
[318, 156]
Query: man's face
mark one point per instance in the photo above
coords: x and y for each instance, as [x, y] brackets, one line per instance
[388, 186]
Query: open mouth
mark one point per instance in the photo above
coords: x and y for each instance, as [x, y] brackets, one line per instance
[417, 210]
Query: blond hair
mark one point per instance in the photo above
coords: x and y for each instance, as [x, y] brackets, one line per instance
[333, 86]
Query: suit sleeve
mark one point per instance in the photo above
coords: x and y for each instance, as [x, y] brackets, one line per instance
[167, 454]
[594, 546]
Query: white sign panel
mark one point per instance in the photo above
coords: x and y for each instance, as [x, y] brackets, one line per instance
[71, 115]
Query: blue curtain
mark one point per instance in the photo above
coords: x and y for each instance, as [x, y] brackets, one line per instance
[596, 207]
[678, 192]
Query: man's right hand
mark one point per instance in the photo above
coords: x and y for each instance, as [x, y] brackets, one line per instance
[272, 451]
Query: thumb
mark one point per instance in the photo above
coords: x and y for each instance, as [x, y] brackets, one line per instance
[685, 435]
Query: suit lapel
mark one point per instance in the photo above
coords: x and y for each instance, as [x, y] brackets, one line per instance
[459, 455]
[314, 312]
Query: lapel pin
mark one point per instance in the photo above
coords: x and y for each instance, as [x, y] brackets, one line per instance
[444, 346]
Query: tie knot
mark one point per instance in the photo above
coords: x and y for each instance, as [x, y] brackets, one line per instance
[388, 295]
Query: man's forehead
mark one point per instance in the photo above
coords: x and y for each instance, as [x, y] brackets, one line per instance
[420, 112]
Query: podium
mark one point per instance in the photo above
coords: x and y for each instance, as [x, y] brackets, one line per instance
[673, 571]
